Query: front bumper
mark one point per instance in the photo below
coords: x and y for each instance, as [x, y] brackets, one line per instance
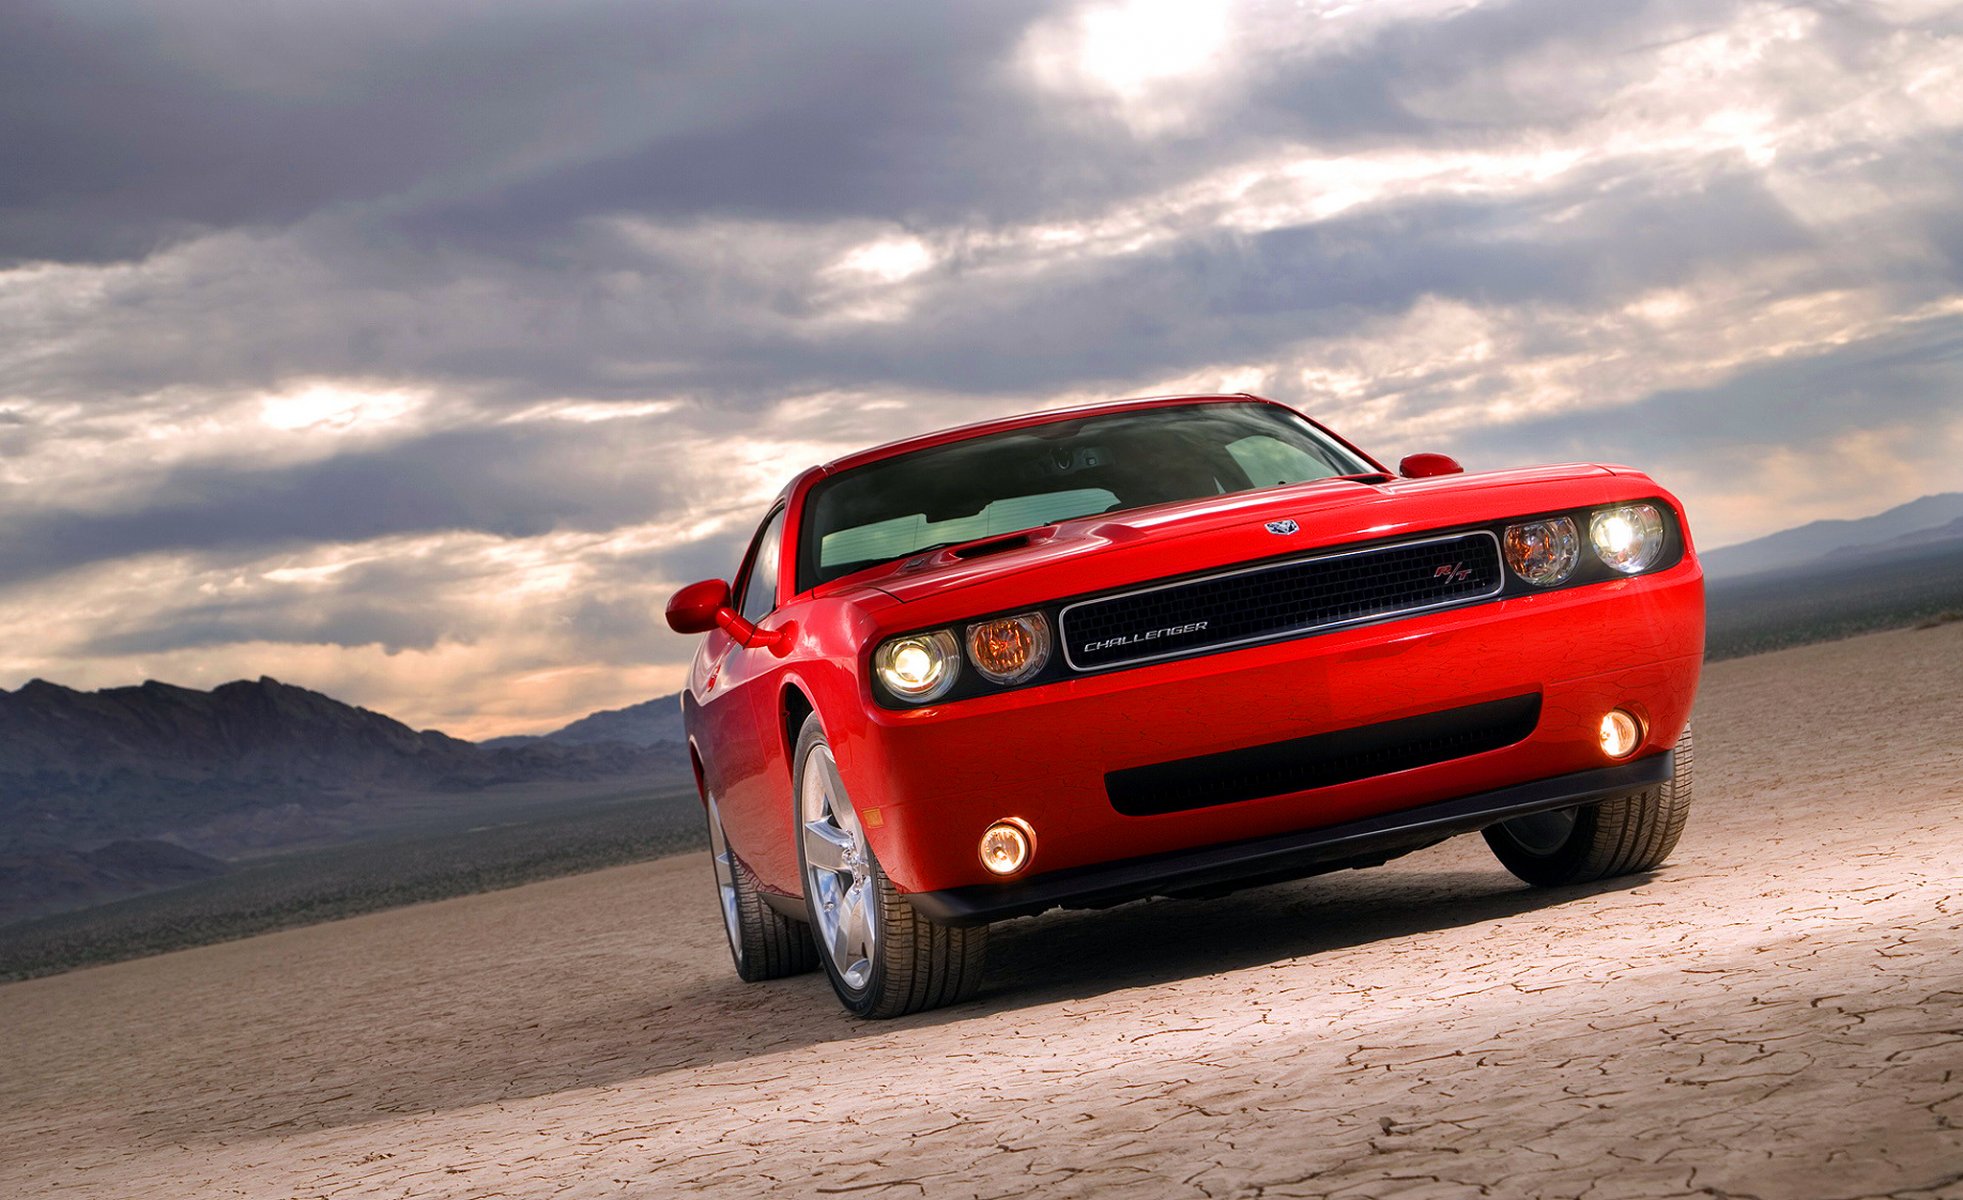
[928, 781]
[1213, 869]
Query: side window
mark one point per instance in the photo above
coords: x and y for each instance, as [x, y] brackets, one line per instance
[758, 594]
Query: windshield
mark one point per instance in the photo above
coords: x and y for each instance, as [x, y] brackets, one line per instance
[1006, 482]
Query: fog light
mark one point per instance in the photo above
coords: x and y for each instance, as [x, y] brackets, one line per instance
[1621, 733]
[1007, 846]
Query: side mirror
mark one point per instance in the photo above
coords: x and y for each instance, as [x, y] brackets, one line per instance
[694, 608]
[700, 607]
[1424, 466]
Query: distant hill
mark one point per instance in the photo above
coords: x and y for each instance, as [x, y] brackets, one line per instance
[52, 880]
[81, 768]
[1932, 519]
[1919, 540]
[1902, 581]
[649, 723]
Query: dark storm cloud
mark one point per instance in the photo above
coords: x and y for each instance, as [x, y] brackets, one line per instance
[1362, 93]
[733, 335]
[507, 482]
[375, 618]
[716, 557]
[1905, 384]
[395, 603]
[1226, 297]
[449, 156]
[130, 124]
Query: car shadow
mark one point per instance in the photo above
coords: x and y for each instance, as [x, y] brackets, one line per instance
[1077, 955]
[608, 1037]
[1074, 955]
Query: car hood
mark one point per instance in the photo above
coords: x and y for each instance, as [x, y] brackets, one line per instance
[1098, 552]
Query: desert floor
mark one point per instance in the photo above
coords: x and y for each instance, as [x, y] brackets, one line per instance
[1777, 1013]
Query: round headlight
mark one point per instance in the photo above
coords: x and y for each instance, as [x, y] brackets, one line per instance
[1010, 649]
[1629, 539]
[1543, 553]
[919, 667]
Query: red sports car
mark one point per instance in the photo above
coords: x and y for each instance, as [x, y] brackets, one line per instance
[1170, 646]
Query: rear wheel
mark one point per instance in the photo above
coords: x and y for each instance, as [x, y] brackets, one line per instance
[884, 959]
[764, 943]
[1598, 841]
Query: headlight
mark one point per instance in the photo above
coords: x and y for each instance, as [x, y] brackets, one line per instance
[1629, 539]
[1543, 553]
[1010, 649]
[919, 667]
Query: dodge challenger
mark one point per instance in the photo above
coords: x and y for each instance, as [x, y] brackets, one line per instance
[1170, 647]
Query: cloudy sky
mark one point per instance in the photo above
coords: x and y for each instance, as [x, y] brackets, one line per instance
[415, 352]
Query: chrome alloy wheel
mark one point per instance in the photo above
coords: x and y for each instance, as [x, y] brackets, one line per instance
[725, 864]
[837, 871]
[1542, 832]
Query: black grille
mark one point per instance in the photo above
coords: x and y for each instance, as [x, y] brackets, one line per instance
[1322, 759]
[1266, 602]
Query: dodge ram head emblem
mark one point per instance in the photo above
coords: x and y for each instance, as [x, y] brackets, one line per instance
[1282, 526]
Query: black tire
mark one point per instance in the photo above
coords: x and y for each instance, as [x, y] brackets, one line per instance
[914, 964]
[1614, 837]
[763, 943]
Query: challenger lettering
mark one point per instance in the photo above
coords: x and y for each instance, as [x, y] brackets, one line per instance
[1128, 639]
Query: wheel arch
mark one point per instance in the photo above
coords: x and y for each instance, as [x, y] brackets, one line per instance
[701, 776]
[833, 693]
[794, 706]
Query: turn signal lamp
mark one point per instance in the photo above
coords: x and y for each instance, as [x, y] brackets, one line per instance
[1544, 553]
[1010, 649]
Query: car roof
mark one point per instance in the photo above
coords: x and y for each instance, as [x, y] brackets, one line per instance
[961, 433]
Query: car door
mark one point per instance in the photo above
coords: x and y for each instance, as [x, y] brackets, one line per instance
[748, 773]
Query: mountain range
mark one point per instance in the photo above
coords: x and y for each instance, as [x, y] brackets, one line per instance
[1918, 525]
[160, 771]
[649, 723]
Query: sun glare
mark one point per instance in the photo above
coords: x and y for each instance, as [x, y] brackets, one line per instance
[888, 260]
[1155, 58]
[335, 408]
[1132, 47]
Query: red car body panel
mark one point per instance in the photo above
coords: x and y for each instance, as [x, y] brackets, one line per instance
[927, 781]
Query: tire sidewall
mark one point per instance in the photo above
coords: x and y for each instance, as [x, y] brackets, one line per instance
[858, 1001]
[732, 936]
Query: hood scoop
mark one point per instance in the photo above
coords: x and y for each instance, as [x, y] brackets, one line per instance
[946, 555]
[995, 545]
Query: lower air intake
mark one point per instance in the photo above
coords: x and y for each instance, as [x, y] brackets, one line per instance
[1322, 759]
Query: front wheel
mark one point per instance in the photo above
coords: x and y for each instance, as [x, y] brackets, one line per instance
[884, 959]
[1598, 841]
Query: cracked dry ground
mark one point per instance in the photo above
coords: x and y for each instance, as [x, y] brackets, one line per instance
[1779, 1012]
